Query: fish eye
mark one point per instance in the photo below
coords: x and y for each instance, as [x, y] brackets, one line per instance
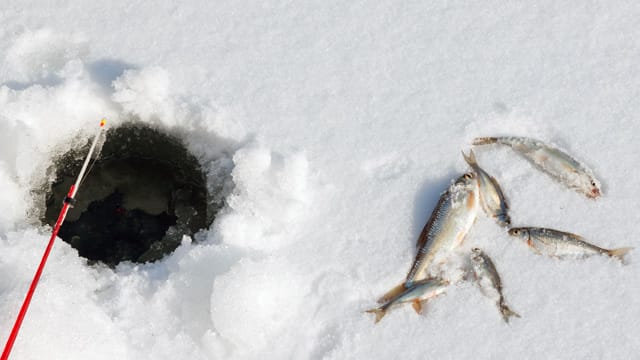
[515, 231]
[467, 176]
[593, 183]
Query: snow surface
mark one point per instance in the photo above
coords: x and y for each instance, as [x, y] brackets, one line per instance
[343, 122]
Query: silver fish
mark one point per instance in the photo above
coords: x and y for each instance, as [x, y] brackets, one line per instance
[551, 160]
[556, 243]
[448, 225]
[416, 294]
[489, 281]
[445, 230]
[492, 199]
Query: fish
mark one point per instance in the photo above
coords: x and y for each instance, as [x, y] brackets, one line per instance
[560, 244]
[553, 161]
[446, 229]
[489, 282]
[492, 198]
[448, 225]
[417, 293]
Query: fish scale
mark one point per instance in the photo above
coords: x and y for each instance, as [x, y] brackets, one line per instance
[448, 225]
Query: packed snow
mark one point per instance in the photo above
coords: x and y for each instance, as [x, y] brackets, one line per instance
[340, 123]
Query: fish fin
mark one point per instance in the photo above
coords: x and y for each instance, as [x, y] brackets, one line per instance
[532, 247]
[507, 313]
[417, 306]
[471, 202]
[379, 313]
[619, 253]
[470, 159]
[484, 140]
[392, 294]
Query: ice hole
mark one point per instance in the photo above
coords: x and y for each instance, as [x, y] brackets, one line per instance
[142, 194]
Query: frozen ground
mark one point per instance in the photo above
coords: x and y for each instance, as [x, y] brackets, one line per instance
[344, 122]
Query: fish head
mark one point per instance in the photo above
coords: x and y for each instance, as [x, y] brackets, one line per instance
[521, 233]
[464, 191]
[476, 261]
[476, 255]
[592, 187]
[467, 179]
[584, 182]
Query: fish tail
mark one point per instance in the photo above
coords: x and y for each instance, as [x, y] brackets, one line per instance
[507, 313]
[619, 253]
[504, 219]
[392, 294]
[470, 159]
[485, 140]
[378, 312]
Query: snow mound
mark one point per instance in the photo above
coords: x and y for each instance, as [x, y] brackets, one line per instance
[68, 291]
[42, 55]
[254, 303]
[270, 194]
[15, 198]
[145, 93]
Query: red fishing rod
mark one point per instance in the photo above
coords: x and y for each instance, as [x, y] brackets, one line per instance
[68, 201]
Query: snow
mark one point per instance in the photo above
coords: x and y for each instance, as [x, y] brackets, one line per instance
[270, 192]
[342, 123]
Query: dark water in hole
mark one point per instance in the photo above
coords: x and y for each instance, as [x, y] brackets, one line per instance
[110, 233]
[144, 192]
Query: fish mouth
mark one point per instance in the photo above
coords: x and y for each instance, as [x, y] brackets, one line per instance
[594, 193]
